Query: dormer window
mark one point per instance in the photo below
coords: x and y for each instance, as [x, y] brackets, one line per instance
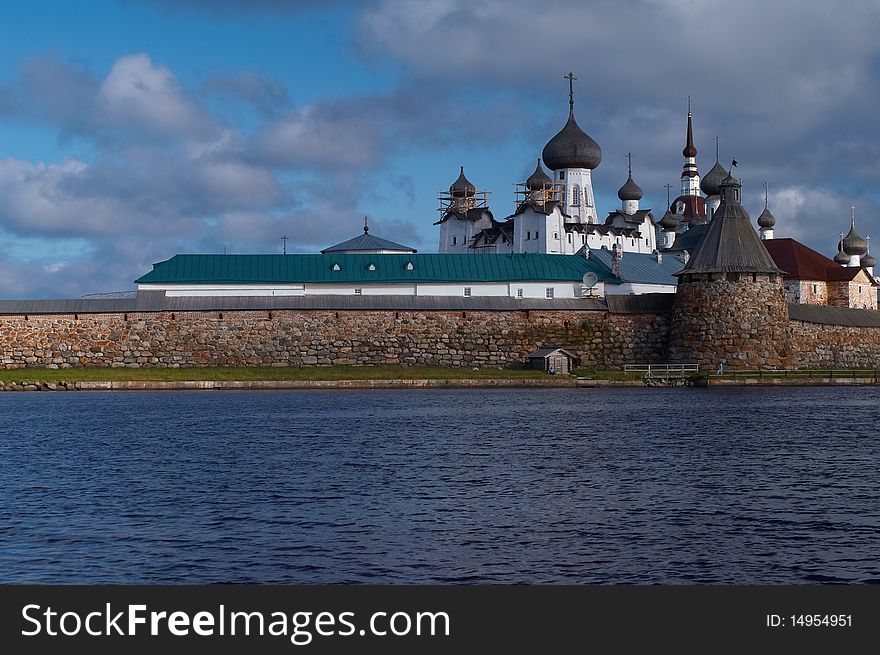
[371, 267]
[409, 266]
[337, 267]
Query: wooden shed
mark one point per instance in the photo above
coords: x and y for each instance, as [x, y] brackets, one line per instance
[557, 361]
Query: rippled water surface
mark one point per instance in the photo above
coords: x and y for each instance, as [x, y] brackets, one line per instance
[563, 486]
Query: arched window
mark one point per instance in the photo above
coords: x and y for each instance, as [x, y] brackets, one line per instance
[575, 195]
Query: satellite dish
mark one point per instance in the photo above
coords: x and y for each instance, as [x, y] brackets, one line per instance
[590, 279]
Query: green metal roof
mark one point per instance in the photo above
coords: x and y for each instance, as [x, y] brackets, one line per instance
[355, 268]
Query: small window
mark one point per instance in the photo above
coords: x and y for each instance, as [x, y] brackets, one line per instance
[519, 293]
[549, 292]
[561, 175]
[569, 237]
[467, 292]
[555, 235]
[454, 241]
[337, 267]
[575, 195]
[358, 292]
[409, 266]
[371, 267]
[815, 288]
[583, 238]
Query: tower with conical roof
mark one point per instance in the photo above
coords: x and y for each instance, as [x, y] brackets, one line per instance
[572, 154]
[730, 304]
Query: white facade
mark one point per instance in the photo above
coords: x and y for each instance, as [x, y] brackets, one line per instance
[545, 290]
[712, 204]
[577, 194]
[457, 231]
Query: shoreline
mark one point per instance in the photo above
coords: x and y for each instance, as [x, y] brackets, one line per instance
[413, 383]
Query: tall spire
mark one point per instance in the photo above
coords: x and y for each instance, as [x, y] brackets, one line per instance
[690, 175]
[689, 148]
[766, 193]
[716, 149]
[366, 224]
[571, 78]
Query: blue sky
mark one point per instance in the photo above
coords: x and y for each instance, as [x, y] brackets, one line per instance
[131, 130]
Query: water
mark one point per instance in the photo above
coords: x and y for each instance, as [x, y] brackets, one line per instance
[441, 486]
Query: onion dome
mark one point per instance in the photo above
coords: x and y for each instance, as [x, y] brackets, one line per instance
[538, 179]
[571, 148]
[868, 260]
[841, 257]
[462, 187]
[669, 222]
[853, 244]
[766, 219]
[630, 190]
[711, 184]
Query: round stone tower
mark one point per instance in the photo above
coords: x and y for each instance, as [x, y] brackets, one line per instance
[730, 304]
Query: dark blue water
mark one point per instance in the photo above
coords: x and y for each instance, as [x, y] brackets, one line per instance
[561, 486]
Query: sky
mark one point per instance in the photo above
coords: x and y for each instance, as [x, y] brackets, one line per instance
[132, 130]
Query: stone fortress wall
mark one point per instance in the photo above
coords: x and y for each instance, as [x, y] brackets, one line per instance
[295, 337]
[602, 339]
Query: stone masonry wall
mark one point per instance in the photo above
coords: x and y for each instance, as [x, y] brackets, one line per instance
[835, 346]
[279, 338]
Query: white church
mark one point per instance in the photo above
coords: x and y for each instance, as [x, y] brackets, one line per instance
[554, 215]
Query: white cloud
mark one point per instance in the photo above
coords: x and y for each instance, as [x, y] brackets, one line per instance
[137, 95]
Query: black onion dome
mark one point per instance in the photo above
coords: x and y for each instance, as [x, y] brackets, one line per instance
[868, 261]
[766, 219]
[571, 148]
[669, 221]
[462, 186]
[841, 257]
[630, 190]
[853, 244]
[538, 179]
[711, 184]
